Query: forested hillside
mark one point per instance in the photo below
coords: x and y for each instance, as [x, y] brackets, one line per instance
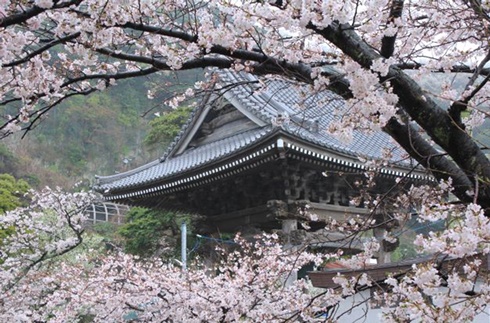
[101, 133]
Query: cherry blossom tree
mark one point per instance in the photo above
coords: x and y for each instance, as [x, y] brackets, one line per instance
[248, 286]
[374, 53]
[45, 279]
[52, 50]
[41, 281]
[33, 237]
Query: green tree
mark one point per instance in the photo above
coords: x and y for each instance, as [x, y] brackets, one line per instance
[164, 129]
[7, 160]
[12, 192]
[151, 232]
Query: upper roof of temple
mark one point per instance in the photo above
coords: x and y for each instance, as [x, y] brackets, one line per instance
[244, 112]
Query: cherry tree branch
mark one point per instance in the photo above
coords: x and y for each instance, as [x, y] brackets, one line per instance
[477, 7]
[160, 31]
[422, 109]
[429, 157]
[22, 17]
[42, 49]
[388, 42]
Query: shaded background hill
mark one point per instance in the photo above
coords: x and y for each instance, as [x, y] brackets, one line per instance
[102, 133]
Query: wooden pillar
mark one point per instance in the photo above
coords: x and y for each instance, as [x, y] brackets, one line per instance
[383, 255]
[288, 226]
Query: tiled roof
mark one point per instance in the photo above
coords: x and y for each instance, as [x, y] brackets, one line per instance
[189, 160]
[309, 115]
[378, 273]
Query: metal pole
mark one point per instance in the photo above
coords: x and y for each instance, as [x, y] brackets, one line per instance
[183, 232]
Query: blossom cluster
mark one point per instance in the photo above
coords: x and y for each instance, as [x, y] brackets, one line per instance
[248, 283]
[88, 45]
[32, 236]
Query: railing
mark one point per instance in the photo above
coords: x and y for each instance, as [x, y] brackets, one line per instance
[106, 212]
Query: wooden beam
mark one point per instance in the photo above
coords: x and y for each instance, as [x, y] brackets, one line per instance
[336, 212]
[254, 216]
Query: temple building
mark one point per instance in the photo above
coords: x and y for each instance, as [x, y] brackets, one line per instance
[255, 153]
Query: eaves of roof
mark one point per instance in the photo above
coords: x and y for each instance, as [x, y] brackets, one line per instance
[214, 160]
[337, 154]
[191, 160]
